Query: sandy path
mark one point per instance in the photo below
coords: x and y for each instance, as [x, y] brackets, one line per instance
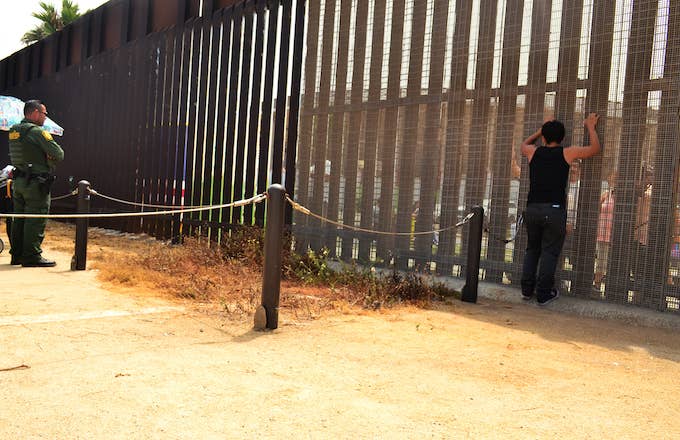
[160, 369]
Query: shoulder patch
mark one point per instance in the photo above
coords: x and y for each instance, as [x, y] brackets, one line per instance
[47, 135]
[14, 135]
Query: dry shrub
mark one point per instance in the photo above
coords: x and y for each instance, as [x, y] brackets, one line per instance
[362, 286]
[246, 244]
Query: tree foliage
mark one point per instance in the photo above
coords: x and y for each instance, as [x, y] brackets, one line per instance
[51, 20]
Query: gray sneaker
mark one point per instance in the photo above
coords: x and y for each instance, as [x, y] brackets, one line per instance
[554, 294]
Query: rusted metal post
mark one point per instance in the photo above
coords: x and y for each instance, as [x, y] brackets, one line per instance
[267, 315]
[79, 260]
[469, 293]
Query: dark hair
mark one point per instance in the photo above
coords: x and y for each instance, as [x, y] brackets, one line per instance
[553, 131]
[31, 106]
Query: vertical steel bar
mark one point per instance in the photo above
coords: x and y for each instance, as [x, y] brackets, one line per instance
[202, 123]
[294, 106]
[254, 117]
[597, 100]
[266, 111]
[503, 144]
[625, 238]
[234, 81]
[182, 129]
[336, 129]
[315, 231]
[351, 146]
[223, 85]
[372, 129]
[243, 108]
[194, 80]
[307, 119]
[164, 224]
[281, 94]
[388, 145]
[173, 180]
[454, 134]
[478, 142]
[431, 153]
[212, 37]
[663, 209]
[408, 151]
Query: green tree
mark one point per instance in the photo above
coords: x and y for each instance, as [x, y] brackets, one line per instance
[51, 20]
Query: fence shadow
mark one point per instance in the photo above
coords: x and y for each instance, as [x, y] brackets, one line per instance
[561, 326]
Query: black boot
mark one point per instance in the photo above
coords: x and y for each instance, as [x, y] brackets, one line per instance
[42, 262]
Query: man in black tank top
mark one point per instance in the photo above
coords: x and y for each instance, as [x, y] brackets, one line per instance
[545, 218]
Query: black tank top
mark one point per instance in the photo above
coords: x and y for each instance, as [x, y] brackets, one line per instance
[548, 175]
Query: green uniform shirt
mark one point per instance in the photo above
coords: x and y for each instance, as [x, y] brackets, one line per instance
[32, 149]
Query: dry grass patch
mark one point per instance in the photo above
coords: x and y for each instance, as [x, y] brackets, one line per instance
[193, 271]
[226, 278]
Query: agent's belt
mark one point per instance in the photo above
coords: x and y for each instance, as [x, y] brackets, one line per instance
[19, 173]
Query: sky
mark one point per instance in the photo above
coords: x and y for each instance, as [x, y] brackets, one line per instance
[17, 20]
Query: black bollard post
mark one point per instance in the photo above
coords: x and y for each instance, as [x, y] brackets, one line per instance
[469, 293]
[267, 315]
[79, 260]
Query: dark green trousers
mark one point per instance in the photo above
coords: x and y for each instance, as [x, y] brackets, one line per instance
[29, 197]
[6, 208]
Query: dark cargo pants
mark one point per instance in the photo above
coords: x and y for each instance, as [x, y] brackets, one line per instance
[29, 197]
[546, 226]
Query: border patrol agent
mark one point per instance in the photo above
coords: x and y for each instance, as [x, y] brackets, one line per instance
[34, 155]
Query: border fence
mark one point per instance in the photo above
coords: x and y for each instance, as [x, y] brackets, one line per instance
[413, 112]
[191, 103]
[386, 115]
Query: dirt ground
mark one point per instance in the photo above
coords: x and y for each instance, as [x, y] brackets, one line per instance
[81, 359]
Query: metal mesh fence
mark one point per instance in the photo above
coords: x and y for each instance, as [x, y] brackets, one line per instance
[413, 112]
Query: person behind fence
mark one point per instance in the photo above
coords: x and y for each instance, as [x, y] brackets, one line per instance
[644, 197]
[604, 229]
[545, 217]
[34, 155]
